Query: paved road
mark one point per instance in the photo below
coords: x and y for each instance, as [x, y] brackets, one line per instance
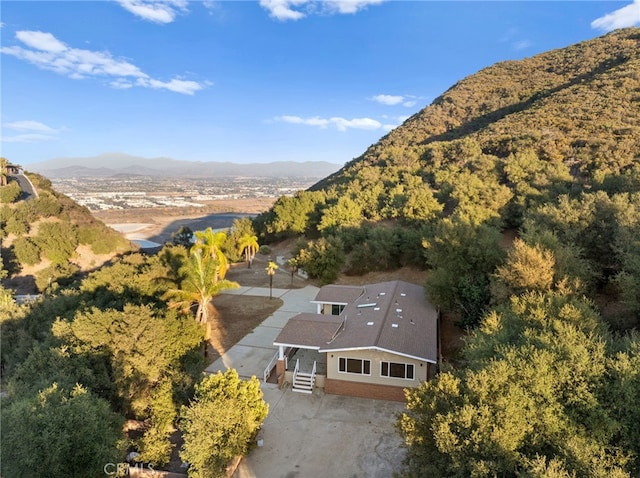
[28, 191]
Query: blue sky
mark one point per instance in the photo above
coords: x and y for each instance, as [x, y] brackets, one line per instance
[249, 81]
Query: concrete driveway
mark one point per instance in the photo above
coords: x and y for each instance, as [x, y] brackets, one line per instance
[325, 436]
[251, 355]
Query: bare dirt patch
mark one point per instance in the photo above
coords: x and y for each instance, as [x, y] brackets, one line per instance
[234, 317]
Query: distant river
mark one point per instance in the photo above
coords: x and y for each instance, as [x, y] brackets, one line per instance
[148, 236]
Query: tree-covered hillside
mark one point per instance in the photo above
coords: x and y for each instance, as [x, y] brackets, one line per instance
[518, 193]
[108, 367]
[576, 106]
[48, 239]
[519, 145]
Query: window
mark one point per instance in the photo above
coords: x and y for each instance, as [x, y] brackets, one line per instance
[359, 366]
[336, 309]
[396, 370]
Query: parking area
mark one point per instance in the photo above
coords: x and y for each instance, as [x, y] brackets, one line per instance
[323, 435]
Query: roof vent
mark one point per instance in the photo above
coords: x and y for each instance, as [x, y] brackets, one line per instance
[395, 326]
[369, 323]
[402, 294]
[373, 304]
[376, 308]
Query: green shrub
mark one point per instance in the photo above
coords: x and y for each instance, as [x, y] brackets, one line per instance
[17, 225]
[26, 251]
[323, 259]
[221, 422]
[56, 275]
[46, 205]
[10, 193]
[101, 239]
[58, 241]
[264, 250]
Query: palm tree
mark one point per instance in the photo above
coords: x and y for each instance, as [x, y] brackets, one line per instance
[199, 284]
[248, 245]
[271, 270]
[211, 243]
[293, 267]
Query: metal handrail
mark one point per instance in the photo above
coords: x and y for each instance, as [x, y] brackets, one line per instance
[313, 373]
[296, 370]
[267, 371]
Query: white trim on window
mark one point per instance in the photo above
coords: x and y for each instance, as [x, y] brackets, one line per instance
[348, 364]
[397, 370]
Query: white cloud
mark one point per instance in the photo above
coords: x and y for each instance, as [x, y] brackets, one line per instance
[186, 87]
[398, 121]
[121, 84]
[48, 53]
[164, 11]
[394, 100]
[41, 41]
[511, 36]
[315, 121]
[622, 18]
[28, 138]
[211, 5]
[349, 6]
[281, 9]
[297, 9]
[29, 125]
[341, 124]
[29, 132]
[521, 44]
[356, 123]
[390, 100]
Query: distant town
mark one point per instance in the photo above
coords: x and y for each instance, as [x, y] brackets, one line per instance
[118, 192]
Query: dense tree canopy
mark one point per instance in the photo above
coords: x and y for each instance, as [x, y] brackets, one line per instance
[59, 433]
[221, 422]
[112, 341]
[532, 397]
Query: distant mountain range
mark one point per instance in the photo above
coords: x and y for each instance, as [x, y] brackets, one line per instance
[113, 164]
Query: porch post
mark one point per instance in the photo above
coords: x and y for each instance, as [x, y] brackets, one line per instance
[280, 370]
[280, 352]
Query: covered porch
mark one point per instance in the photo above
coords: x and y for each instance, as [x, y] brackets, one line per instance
[299, 361]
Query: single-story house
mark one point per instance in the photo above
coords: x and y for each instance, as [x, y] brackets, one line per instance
[369, 341]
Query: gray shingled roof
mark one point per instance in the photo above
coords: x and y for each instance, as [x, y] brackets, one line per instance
[309, 330]
[338, 294]
[393, 316]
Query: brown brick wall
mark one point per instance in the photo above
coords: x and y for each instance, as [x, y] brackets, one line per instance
[364, 390]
